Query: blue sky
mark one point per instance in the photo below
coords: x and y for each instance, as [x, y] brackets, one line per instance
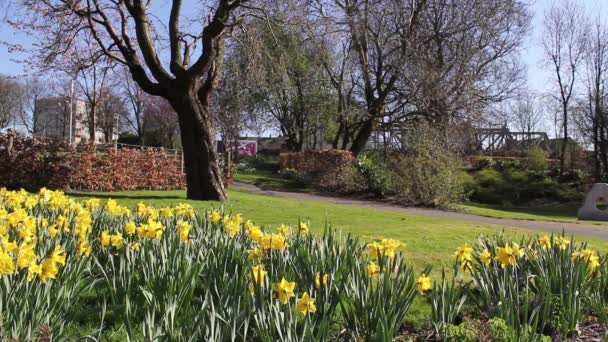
[531, 53]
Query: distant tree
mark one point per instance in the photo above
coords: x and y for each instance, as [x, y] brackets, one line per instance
[35, 89]
[134, 96]
[424, 60]
[161, 125]
[525, 114]
[11, 94]
[111, 113]
[564, 42]
[591, 115]
[285, 78]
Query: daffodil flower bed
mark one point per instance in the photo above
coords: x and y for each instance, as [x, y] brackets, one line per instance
[175, 274]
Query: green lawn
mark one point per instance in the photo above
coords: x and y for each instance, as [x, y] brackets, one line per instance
[550, 212]
[266, 179]
[430, 240]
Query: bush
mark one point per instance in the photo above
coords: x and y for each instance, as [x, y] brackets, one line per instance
[258, 162]
[536, 160]
[46, 163]
[427, 173]
[324, 167]
[461, 333]
[512, 186]
[370, 174]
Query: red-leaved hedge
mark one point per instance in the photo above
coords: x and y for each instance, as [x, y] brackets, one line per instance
[36, 163]
[323, 166]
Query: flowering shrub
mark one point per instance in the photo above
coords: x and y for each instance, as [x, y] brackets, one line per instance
[176, 274]
[323, 166]
[45, 163]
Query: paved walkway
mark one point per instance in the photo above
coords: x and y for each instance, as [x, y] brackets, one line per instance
[590, 230]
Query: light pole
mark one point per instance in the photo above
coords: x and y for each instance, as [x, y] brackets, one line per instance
[71, 108]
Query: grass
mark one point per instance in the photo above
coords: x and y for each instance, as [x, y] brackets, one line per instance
[431, 241]
[562, 212]
[267, 179]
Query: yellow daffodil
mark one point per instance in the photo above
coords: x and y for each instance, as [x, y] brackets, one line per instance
[130, 228]
[255, 255]
[254, 233]
[214, 216]
[303, 229]
[166, 212]
[563, 243]
[545, 242]
[284, 290]
[26, 255]
[49, 270]
[373, 269]
[306, 304]
[283, 229]
[508, 254]
[84, 248]
[7, 264]
[321, 282]
[184, 230]
[58, 255]
[136, 246]
[588, 255]
[116, 240]
[232, 228]
[424, 284]
[485, 257]
[464, 252]
[258, 275]
[7, 245]
[105, 238]
[593, 262]
[33, 271]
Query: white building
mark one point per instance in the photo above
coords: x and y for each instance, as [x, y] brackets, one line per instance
[54, 119]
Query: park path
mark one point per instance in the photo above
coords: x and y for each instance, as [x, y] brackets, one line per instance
[589, 230]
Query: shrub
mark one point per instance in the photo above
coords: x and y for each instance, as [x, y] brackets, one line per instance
[375, 175]
[324, 167]
[47, 163]
[484, 162]
[464, 332]
[512, 186]
[427, 173]
[536, 160]
[258, 162]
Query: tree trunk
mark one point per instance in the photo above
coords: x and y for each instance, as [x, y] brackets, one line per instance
[93, 125]
[562, 161]
[365, 131]
[203, 176]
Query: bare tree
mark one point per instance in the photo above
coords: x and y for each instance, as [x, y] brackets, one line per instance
[161, 124]
[592, 117]
[34, 90]
[564, 42]
[432, 60]
[126, 32]
[112, 107]
[381, 34]
[11, 94]
[525, 114]
[135, 99]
